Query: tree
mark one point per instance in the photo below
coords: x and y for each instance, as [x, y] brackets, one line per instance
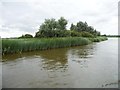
[49, 24]
[47, 28]
[80, 26]
[90, 29]
[61, 24]
[53, 28]
[73, 27]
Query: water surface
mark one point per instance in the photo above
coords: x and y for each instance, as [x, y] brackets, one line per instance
[90, 66]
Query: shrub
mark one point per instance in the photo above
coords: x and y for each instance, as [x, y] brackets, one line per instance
[75, 34]
[86, 34]
[26, 36]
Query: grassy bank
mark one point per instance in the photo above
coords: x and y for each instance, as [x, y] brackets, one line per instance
[10, 46]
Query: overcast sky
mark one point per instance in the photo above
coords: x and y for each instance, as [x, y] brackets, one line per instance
[24, 16]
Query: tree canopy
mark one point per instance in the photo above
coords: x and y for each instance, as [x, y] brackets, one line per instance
[57, 28]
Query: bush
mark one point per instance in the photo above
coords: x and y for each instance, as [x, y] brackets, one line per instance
[26, 36]
[86, 34]
[75, 34]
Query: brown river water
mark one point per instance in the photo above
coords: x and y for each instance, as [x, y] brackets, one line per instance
[90, 66]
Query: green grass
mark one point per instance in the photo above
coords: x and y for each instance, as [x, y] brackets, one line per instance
[10, 46]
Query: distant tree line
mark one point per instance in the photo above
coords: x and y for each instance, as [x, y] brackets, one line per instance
[111, 35]
[57, 28]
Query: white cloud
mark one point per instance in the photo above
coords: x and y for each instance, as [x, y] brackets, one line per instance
[25, 16]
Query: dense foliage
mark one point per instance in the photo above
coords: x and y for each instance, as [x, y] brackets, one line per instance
[83, 27]
[57, 28]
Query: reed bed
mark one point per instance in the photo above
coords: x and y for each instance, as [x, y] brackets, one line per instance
[10, 46]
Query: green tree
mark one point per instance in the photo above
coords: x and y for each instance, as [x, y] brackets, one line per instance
[73, 27]
[47, 28]
[53, 28]
[49, 24]
[90, 29]
[61, 23]
[80, 26]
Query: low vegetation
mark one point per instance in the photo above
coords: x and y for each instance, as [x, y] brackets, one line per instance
[10, 46]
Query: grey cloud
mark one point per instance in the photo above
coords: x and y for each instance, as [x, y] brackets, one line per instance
[27, 15]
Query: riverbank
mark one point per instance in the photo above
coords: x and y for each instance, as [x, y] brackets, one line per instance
[10, 46]
[72, 67]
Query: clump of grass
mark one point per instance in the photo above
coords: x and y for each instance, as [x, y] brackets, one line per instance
[10, 46]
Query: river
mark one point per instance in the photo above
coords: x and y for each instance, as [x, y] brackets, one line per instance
[90, 66]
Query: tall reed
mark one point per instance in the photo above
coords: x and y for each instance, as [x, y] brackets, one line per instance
[22, 45]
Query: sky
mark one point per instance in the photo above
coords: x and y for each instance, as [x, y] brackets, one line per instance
[19, 17]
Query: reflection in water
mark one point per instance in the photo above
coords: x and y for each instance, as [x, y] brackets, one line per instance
[54, 59]
[73, 67]
[81, 54]
[57, 58]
